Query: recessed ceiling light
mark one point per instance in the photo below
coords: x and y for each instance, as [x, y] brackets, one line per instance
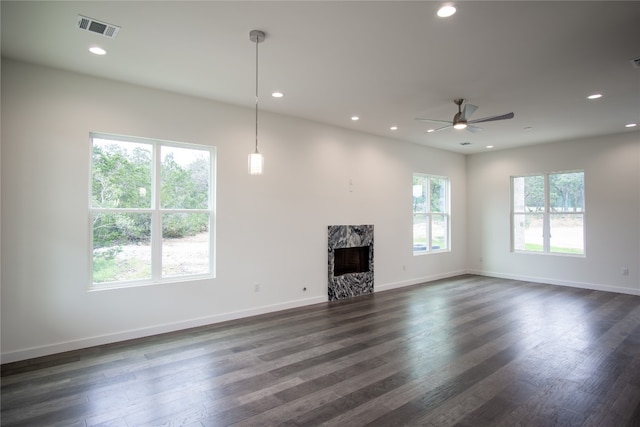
[97, 50]
[430, 130]
[631, 125]
[277, 94]
[355, 118]
[594, 96]
[394, 128]
[489, 146]
[446, 10]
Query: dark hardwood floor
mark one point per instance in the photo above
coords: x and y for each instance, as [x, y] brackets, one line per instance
[466, 351]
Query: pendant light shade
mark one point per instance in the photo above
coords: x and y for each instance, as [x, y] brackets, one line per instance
[256, 161]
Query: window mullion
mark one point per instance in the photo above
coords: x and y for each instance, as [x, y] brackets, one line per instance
[447, 216]
[429, 217]
[156, 218]
[546, 218]
[429, 221]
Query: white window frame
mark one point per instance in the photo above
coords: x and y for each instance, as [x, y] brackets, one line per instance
[547, 214]
[429, 246]
[156, 212]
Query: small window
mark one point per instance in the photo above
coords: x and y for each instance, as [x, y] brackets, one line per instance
[431, 216]
[152, 211]
[548, 213]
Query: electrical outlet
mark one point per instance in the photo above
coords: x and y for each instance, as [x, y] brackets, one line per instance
[256, 287]
[404, 267]
[625, 271]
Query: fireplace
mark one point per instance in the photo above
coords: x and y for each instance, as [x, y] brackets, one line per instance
[350, 261]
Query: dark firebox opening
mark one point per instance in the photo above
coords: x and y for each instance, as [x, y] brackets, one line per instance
[350, 260]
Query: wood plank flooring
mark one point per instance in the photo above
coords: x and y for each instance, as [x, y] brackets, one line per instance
[467, 351]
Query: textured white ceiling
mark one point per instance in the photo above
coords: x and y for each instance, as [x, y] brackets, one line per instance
[386, 61]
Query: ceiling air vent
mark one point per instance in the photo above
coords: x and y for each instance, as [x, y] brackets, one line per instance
[465, 143]
[102, 28]
[636, 62]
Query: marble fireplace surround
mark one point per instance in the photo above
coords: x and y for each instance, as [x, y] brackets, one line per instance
[350, 284]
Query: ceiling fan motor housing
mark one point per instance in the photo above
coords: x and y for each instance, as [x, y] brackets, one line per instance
[458, 122]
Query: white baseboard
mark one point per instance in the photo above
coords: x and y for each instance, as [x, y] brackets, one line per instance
[411, 282]
[551, 281]
[208, 320]
[62, 347]
[78, 344]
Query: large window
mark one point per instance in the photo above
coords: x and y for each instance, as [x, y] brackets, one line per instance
[431, 217]
[548, 213]
[152, 211]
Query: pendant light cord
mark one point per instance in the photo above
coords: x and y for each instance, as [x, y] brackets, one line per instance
[257, 41]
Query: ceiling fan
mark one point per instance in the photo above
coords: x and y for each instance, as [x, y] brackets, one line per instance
[461, 119]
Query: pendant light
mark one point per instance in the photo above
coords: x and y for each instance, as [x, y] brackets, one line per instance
[256, 161]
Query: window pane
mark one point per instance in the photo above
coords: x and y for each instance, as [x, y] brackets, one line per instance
[185, 178]
[438, 194]
[185, 244]
[566, 192]
[567, 233]
[527, 232]
[528, 193]
[121, 174]
[439, 232]
[420, 232]
[419, 194]
[121, 247]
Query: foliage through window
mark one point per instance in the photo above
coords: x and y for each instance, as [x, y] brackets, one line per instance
[548, 213]
[431, 216]
[152, 210]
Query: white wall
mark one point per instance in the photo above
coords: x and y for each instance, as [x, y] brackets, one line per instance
[46, 119]
[612, 196]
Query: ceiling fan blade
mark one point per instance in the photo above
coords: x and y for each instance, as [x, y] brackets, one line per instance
[440, 128]
[469, 109]
[473, 129]
[432, 120]
[493, 118]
